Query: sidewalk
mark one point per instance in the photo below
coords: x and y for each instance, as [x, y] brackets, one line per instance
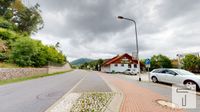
[138, 99]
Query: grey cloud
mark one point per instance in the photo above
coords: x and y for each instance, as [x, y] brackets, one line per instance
[170, 9]
[90, 27]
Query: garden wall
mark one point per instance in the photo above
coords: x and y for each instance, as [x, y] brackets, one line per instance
[10, 73]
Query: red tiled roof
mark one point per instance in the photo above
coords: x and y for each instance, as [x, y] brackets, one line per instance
[110, 61]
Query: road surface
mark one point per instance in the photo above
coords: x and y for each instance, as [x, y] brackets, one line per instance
[39, 94]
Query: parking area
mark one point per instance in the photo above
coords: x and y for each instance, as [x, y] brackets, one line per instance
[160, 88]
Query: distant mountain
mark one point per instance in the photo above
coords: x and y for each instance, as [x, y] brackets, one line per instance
[81, 61]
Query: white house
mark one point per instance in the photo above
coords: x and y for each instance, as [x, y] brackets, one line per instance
[120, 63]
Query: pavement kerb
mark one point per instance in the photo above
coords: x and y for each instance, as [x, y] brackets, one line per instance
[116, 102]
[63, 97]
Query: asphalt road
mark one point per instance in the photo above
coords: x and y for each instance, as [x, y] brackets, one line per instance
[160, 88]
[38, 94]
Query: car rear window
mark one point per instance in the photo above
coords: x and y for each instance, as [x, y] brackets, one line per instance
[157, 71]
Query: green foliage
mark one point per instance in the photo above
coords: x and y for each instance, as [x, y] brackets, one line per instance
[6, 24]
[3, 57]
[160, 61]
[25, 19]
[191, 63]
[17, 23]
[4, 6]
[29, 19]
[28, 52]
[8, 34]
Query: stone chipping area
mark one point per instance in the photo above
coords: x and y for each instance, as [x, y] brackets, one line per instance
[83, 102]
[92, 102]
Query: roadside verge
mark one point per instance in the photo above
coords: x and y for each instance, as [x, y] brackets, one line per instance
[20, 79]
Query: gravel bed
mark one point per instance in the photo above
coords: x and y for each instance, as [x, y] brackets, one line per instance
[92, 102]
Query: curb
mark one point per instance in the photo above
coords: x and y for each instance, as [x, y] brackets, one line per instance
[64, 96]
[116, 102]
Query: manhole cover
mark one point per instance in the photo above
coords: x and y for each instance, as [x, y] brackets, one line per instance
[167, 104]
[52, 95]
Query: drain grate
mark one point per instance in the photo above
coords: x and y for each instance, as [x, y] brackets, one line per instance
[167, 104]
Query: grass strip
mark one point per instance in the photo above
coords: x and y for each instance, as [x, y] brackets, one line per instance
[20, 79]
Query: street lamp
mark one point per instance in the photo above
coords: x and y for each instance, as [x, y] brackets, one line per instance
[136, 35]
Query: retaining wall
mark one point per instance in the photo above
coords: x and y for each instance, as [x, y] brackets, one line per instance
[11, 73]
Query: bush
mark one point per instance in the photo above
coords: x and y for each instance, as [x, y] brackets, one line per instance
[29, 52]
[8, 35]
[3, 57]
[191, 62]
[160, 61]
[6, 24]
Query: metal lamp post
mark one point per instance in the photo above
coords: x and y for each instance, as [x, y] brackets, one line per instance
[136, 35]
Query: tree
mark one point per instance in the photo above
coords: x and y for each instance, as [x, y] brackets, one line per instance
[29, 20]
[190, 62]
[4, 7]
[160, 61]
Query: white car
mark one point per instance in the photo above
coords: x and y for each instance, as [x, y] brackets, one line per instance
[176, 76]
[130, 72]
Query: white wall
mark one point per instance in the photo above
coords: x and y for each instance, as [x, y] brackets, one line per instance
[105, 69]
[120, 68]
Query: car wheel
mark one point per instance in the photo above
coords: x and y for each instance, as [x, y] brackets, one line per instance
[154, 79]
[191, 85]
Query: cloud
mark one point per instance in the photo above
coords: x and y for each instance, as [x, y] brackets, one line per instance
[89, 28]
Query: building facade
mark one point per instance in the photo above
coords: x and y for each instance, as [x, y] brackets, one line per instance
[120, 63]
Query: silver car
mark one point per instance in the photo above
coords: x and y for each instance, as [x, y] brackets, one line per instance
[176, 76]
[130, 72]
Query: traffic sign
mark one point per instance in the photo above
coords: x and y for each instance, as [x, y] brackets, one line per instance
[147, 62]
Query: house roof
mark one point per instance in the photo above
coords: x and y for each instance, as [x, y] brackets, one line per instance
[118, 57]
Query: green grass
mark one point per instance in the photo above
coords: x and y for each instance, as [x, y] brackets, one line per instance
[3, 82]
[6, 65]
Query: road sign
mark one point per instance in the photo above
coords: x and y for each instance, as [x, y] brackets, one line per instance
[147, 61]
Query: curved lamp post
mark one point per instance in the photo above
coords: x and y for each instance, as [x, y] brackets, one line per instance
[136, 35]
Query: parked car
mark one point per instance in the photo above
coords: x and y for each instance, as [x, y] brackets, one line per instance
[176, 76]
[130, 72]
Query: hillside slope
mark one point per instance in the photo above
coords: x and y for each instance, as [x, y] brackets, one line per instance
[81, 61]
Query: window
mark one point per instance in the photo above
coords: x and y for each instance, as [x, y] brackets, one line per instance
[157, 71]
[116, 65]
[171, 72]
[135, 65]
[129, 65]
[122, 65]
[163, 71]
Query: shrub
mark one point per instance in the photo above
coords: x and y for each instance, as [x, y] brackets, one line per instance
[3, 57]
[190, 62]
[29, 52]
[6, 24]
[160, 61]
[8, 35]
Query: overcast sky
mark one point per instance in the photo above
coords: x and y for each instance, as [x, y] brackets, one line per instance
[89, 28]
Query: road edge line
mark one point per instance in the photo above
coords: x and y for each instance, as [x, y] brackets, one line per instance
[65, 95]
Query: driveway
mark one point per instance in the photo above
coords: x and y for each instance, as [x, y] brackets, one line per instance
[39, 94]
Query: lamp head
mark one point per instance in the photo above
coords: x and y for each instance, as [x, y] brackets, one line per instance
[120, 17]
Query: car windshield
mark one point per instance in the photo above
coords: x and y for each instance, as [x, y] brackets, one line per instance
[183, 72]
